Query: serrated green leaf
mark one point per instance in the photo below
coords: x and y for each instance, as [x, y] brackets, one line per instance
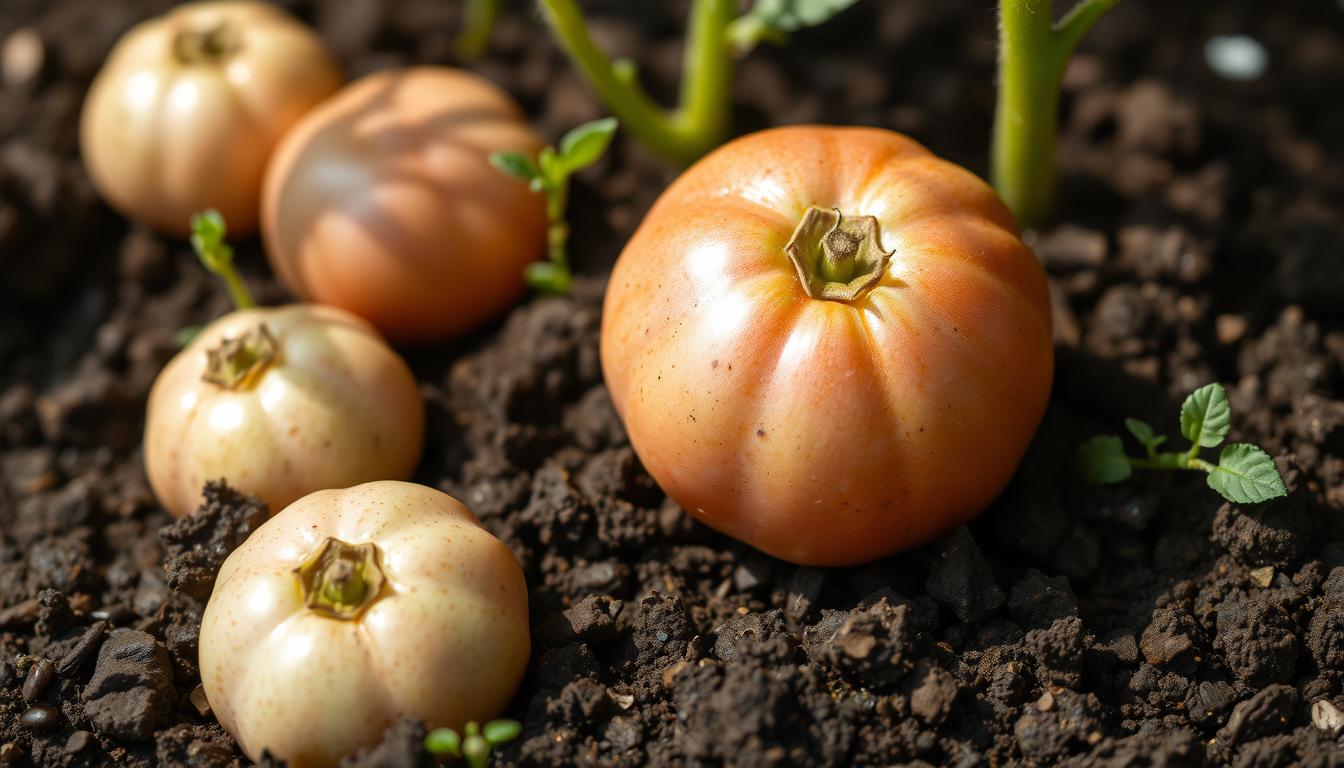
[515, 164]
[1206, 416]
[792, 15]
[1246, 475]
[583, 146]
[1102, 459]
[501, 731]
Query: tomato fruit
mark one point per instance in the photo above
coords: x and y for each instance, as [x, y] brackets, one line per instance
[383, 201]
[185, 113]
[354, 608]
[280, 403]
[828, 343]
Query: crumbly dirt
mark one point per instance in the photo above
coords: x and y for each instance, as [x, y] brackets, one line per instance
[1143, 624]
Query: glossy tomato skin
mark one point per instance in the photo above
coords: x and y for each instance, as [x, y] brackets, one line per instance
[383, 202]
[335, 408]
[167, 132]
[828, 432]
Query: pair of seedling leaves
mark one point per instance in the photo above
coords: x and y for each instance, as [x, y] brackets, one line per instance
[479, 742]
[1244, 474]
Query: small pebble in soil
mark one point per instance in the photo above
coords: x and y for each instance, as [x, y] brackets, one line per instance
[40, 718]
[1236, 57]
[21, 57]
[1327, 717]
[38, 678]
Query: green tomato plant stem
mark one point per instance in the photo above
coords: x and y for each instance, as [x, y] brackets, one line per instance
[700, 120]
[478, 21]
[208, 231]
[557, 230]
[1033, 52]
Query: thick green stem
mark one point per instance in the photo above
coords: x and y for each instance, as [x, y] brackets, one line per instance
[1033, 52]
[700, 121]
[478, 21]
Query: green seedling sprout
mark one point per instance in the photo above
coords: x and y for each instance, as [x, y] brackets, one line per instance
[478, 743]
[715, 34]
[1033, 52]
[549, 175]
[1244, 474]
[207, 239]
[478, 20]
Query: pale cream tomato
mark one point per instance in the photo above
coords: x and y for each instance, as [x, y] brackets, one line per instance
[355, 608]
[280, 403]
[189, 106]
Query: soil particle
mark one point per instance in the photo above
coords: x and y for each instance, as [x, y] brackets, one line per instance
[185, 744]
[1173, 639]
[961, 579]
[1209, 702]
[196, 546]
[82, 650]
[1257, 641]
[1275, 533]
[1268, 712]
[1037, 600]
[873, 646]
[402, 746]
[931, 691]
[131, 690]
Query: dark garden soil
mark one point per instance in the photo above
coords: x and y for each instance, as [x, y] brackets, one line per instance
[1142, 624]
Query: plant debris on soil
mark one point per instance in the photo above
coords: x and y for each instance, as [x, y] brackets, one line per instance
[1149, 623]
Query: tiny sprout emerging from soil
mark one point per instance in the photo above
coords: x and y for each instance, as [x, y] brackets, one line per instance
[208, 231]
[699, 122]
[1244, 474]
[478, 743]
[549, 174]
[478, 20]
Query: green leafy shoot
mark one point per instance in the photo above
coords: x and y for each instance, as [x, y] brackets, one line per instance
[549, 175]
[773, 20]
[208, 232]
[475, 747]
[1244, 474]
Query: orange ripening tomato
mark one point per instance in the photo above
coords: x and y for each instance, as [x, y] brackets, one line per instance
[383, 202]
[828, 343]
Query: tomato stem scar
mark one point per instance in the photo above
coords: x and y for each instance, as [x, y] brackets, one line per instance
[340, 580]
[838, 257]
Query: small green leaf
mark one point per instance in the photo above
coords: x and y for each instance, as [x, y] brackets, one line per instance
[583, 146]
[208, 233]
[1141, 431]
[1206, 416]
[1102, 459]
[444, 741]
[792, 15]
[515, 164]
[501, 731]
[549, 278]
[1246, 475]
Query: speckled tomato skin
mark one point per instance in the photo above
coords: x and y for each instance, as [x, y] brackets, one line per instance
[338, 407]
[446, 641]
[382, 201]
[163, 139]
[826, 432]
